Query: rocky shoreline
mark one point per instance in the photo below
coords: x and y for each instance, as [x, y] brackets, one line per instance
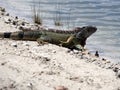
[24, 65]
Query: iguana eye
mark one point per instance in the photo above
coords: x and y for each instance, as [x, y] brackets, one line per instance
[83, 27]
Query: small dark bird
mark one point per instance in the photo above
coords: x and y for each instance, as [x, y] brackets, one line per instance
[96, 54]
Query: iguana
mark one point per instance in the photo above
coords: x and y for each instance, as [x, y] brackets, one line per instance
[74, 39]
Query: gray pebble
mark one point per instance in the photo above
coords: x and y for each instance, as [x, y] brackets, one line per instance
[118, 74]
[14, 44]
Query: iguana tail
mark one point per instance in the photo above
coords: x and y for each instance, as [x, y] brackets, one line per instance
[20, 35]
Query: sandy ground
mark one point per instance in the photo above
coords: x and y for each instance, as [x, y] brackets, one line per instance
[24, 65]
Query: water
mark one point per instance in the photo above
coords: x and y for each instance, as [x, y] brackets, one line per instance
[104, 14]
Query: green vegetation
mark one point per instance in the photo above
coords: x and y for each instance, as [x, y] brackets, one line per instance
[36, 15]
[57, 18]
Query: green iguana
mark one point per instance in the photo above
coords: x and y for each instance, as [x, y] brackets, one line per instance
[74, 39]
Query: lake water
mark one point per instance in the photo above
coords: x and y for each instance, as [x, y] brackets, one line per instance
[104, 14]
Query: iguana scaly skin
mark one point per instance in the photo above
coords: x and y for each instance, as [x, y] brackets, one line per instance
[75, 39]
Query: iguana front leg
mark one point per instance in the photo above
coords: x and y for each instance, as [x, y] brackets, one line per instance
[43, 39]
[72, 43]
[41, 42]
[69, 40]
[79, 47]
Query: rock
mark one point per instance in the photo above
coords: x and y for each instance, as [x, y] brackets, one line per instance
[118, 88]
[118, 74]
[103, 59]
[26, 44]
[2, 9]
[3, 63]
[30, 85]
[60, 88]
[14, 44]
[14, 23]
[24, 28]
[7, 20]
[2, 13]
[68, 51]
[23, 23]
[76, 51]
[74, 78]
[16, 17]
[116, 69]
[20, 27]
[7, 14]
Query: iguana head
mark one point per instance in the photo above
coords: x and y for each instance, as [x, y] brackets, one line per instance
[85, 33]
